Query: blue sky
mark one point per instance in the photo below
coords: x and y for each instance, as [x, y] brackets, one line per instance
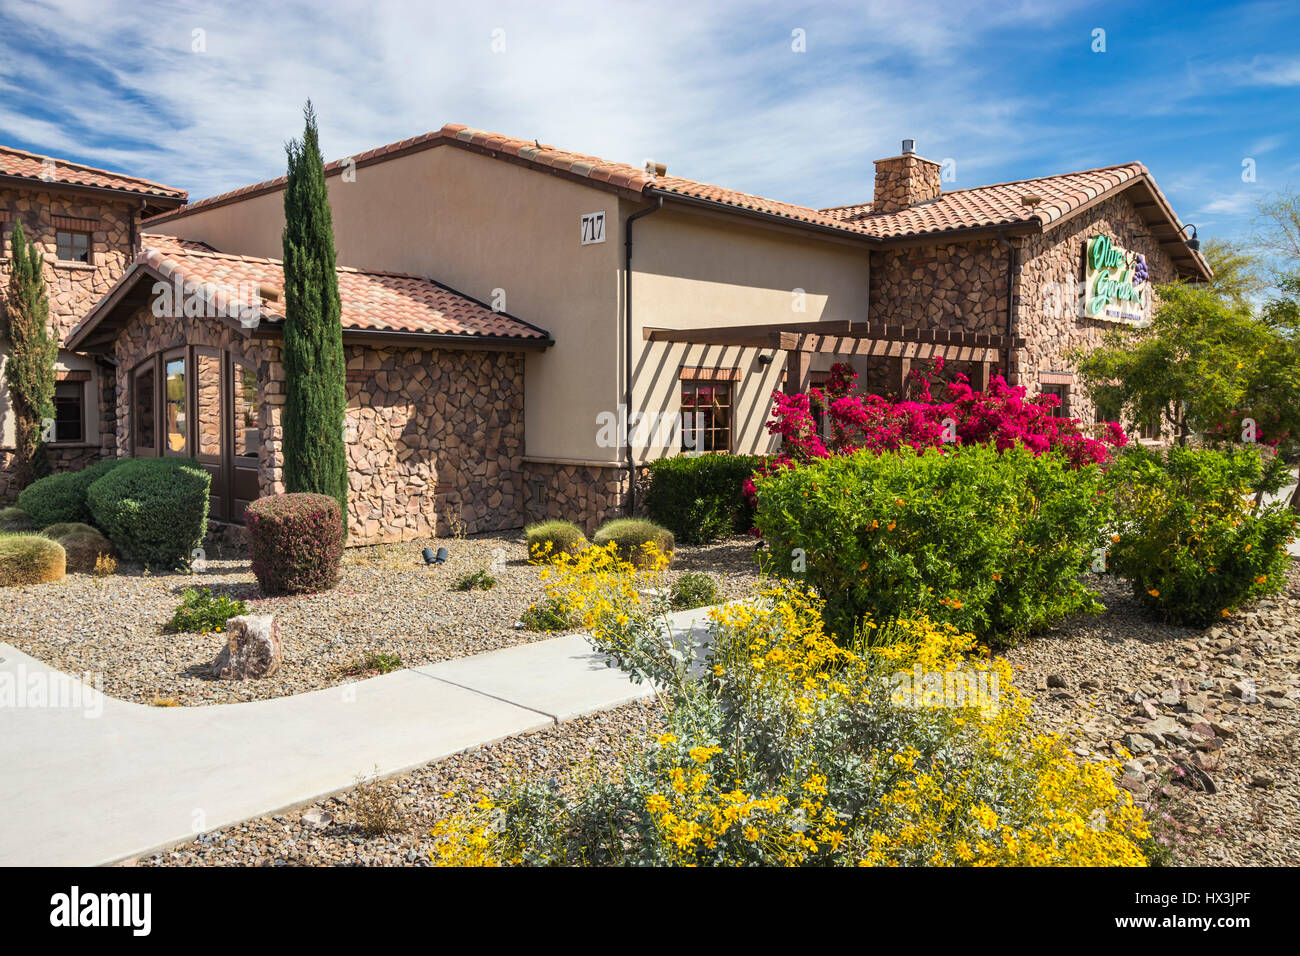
[713, 89]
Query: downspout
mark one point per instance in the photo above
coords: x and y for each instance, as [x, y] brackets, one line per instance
[627, 348]
[1011, 303]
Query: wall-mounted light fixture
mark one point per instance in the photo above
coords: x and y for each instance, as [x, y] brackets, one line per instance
[1193, 243]
[765, 359]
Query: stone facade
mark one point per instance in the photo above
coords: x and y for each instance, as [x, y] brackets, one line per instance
[949, 286]
[1048, 294]
[73, 289]
[433, 435]
[586, 494]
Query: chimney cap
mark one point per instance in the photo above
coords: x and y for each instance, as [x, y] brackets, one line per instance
[909, 146]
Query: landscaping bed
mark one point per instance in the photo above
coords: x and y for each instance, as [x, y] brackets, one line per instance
[1082, 677]
[388, 602]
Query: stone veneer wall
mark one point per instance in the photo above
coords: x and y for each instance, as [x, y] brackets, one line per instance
[586, 494]
[956, 285]
[430, 432]
[433, 432]
[1048, 293]
[73, 289]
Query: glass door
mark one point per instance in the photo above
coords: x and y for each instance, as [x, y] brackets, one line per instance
[176, 400]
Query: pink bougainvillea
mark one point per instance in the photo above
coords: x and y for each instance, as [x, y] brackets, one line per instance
[1001, 416]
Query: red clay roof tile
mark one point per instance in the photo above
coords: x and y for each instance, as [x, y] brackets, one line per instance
[25, 165]
[372, 301]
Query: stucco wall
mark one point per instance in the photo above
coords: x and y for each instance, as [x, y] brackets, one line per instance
[498, 232]
[693, 270]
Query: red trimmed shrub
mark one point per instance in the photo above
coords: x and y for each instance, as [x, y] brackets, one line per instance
[296, 542]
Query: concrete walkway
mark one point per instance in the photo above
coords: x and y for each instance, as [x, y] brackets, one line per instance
[102, 780]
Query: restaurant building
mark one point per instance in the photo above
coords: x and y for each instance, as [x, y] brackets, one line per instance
[527, 327]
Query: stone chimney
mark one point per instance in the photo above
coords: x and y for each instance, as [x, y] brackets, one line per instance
[905, 180]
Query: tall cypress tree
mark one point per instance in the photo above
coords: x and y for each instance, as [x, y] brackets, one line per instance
[315, 459]
[29, 371]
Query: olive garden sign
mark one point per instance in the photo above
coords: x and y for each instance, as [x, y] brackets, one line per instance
[1116, 286]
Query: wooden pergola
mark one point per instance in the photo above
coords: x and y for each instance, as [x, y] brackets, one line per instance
[801, 340]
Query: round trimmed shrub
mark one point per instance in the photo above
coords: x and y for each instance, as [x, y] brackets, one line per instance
[630, 535]
[14, 518]
[154, 509]
[564, 537]
[30, 559]
[295, 542]
[61, 497]
[82, 543]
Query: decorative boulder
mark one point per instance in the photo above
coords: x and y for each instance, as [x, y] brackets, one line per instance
[252, 650]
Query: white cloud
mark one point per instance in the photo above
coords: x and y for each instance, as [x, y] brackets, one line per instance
[712, 89]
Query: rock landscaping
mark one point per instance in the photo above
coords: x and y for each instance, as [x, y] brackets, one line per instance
[1174, 703]
[387, 602]
[1205, 722]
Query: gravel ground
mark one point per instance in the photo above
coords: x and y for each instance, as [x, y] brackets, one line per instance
[1212, 719]
[388, 601]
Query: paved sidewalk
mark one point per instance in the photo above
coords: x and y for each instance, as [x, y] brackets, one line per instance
[108, 780]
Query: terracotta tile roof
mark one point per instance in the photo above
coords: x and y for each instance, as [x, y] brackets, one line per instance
[618, 175]
[996, 205]
[977, 207]
[25, 165]
[372, 301]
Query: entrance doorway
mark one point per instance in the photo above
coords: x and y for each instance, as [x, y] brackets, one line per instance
[201, 403]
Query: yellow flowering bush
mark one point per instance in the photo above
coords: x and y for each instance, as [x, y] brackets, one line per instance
[903, 747]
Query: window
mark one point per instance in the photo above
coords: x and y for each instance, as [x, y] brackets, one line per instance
[69, 408]
[247, 407]
[174, 383]
[706, 416]
[1063, 393]
[73, 246]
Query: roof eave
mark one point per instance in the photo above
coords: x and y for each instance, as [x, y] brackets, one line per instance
[152, 201]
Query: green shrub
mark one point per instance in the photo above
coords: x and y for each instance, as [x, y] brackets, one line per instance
[631, 535]
[30, 559]
[61, 497]
[549, 614]
[700, 498]
[562, 537]
[480, 580]
[154, 509]
[295, 542]
[200, 612]
[1189, 539]
[692, 589]
[14, 518]
[992, 542]
[82, 544]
